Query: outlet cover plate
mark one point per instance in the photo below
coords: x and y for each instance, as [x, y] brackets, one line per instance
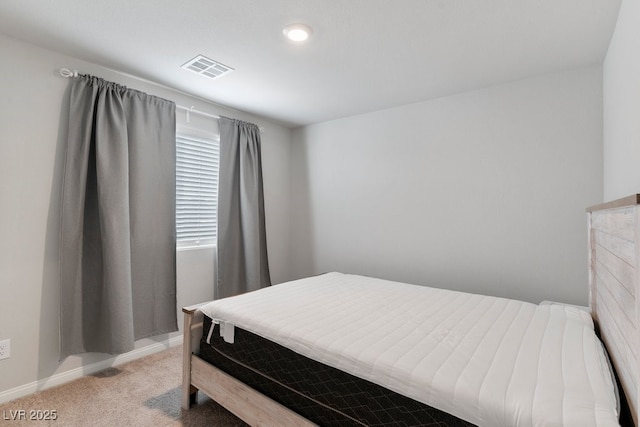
[5, 349]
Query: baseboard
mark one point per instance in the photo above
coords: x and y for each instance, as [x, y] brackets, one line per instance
[73, 374]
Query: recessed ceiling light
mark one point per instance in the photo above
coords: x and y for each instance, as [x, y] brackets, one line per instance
[297, 32]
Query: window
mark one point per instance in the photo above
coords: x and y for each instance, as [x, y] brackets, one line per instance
[196, 190]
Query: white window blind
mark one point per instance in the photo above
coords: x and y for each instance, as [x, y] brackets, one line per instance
[197, 161]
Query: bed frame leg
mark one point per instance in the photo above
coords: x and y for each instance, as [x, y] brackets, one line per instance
[193, 396]
[189, 392]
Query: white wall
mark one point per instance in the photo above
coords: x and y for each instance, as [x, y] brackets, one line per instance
[622, 106]
[32, 128]
[484, 191]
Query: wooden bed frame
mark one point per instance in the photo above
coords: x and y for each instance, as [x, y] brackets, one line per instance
[614, 282]
[614, 288]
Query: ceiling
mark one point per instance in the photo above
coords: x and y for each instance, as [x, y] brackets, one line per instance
[363, 55]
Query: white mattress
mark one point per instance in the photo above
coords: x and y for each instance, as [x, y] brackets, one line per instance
[491, 361]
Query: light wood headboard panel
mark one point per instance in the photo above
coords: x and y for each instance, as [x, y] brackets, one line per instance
[614, 287]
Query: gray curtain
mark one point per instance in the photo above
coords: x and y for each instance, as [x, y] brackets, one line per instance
[117, 242]
[242, 241]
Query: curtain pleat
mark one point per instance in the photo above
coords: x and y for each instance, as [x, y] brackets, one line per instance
[117, 242]
[242, 244]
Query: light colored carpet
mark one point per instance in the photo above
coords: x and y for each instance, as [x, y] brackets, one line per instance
[144, 392]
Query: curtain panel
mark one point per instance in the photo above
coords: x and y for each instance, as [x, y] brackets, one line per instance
[242, 243]
[117, 242]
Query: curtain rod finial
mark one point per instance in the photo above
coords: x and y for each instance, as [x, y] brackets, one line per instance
[65, 72]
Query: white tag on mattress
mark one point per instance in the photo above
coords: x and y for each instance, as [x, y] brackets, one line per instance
[227, 331]
[213, 324]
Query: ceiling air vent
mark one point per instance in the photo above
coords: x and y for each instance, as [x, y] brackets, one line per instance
[207, 67]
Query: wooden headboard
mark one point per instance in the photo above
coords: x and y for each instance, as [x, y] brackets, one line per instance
[614, 287]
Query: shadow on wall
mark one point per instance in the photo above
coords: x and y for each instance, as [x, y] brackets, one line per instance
[303, 262]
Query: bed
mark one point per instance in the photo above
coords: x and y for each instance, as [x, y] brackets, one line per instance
[423, 356]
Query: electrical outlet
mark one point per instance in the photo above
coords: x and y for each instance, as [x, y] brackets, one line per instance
[5, 349]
